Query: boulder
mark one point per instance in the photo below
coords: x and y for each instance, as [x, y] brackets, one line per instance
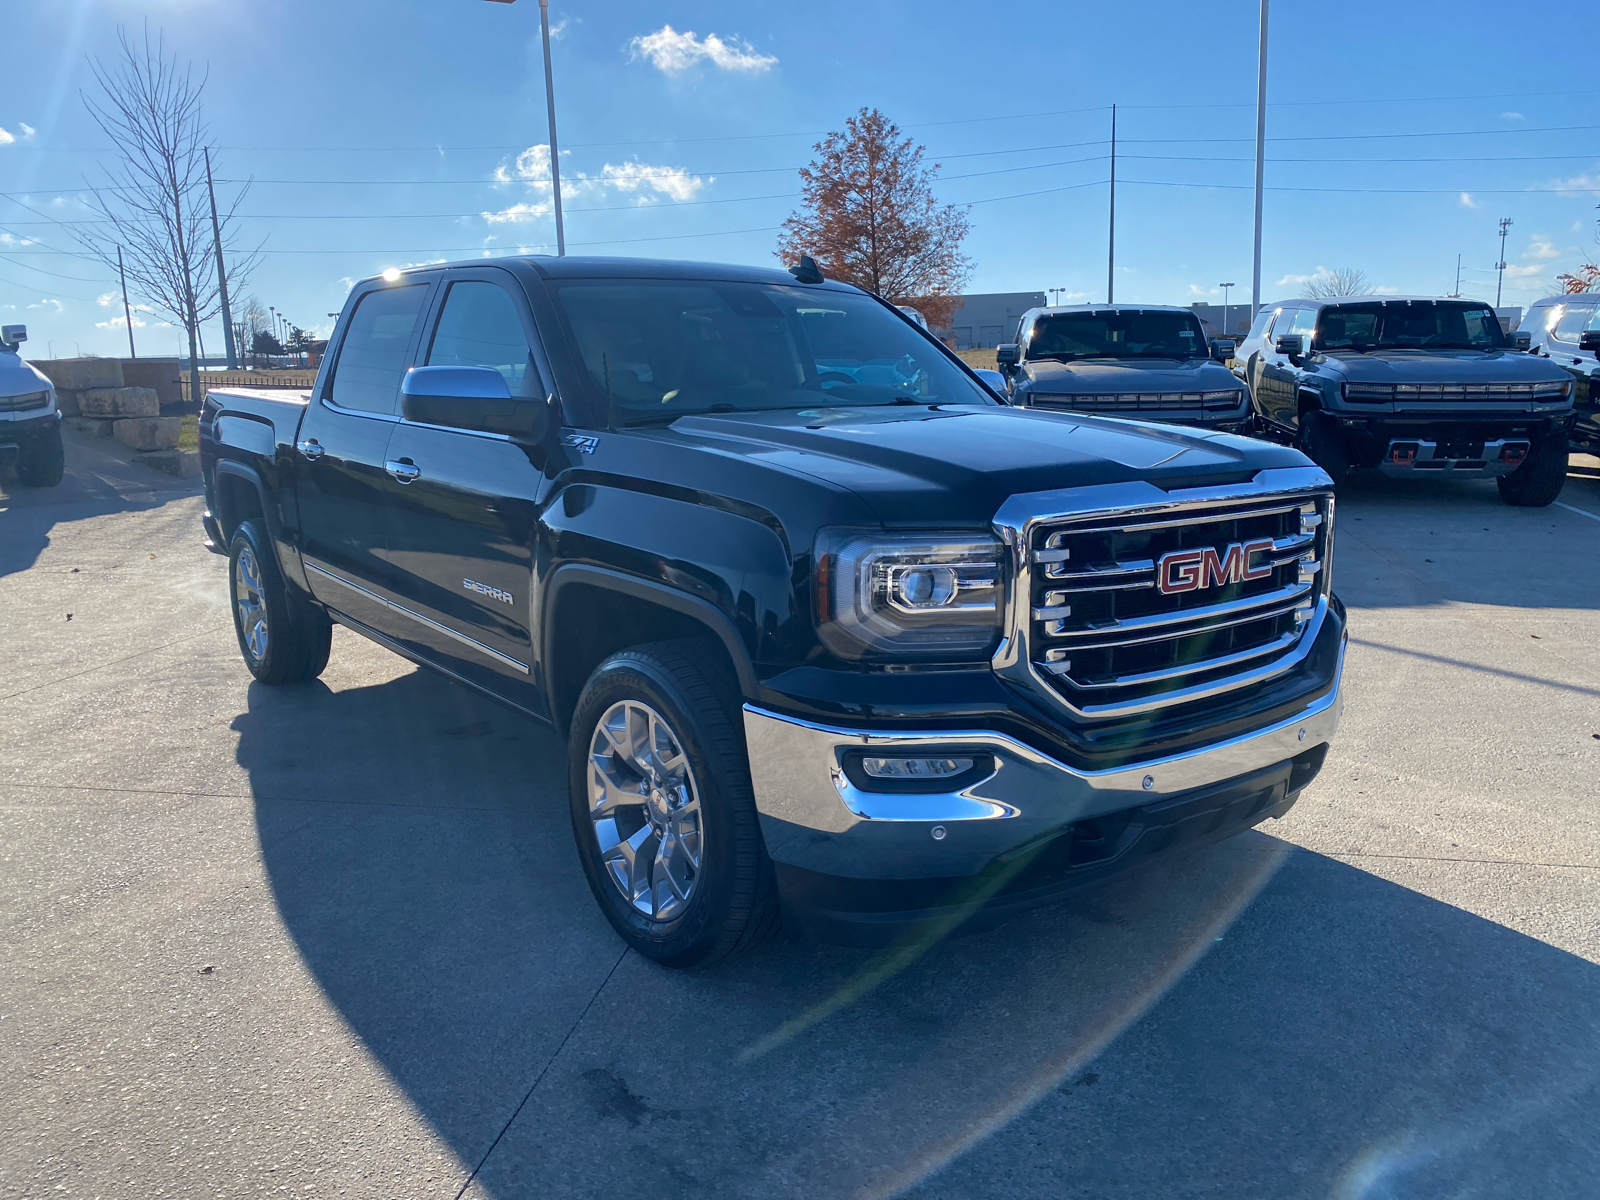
[182, 463]
[67, 402]
[148, 433]
[119, 402]
[91, 426]
[76, 374]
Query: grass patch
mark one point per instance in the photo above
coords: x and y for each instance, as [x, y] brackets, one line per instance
[978, 358]
[189, 435]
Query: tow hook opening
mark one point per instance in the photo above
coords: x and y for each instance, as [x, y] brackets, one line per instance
[1512, 453]
[1404, 454]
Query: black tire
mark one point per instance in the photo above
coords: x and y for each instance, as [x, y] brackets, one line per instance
[1540, 478]
[1321, 441]
[732, 904]
[42, 462]
[283, 638]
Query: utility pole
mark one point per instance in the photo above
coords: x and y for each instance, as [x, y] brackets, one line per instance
[1456, 295]
[1111, 232]
[1225, 287]
[1261, 159]
[127, 312]
[222, 276]
[1500, 267]
[550, 105]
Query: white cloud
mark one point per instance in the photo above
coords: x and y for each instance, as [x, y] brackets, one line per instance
[1468, 202]
[53, 305]
[674, 52]
[119, 323]
[1578, 183]
[532, 167]
[1542, 248]
[1297, 280]
[1512, 116]
[559, 28]
[107, 299]
[1518, 271]
[1385, 290]
[1196, 290]
[24, 133]
[7, 239]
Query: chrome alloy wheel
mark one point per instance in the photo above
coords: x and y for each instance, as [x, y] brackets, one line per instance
[645, 809]
[251, 603]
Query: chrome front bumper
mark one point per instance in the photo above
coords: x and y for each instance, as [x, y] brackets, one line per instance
[813, 817]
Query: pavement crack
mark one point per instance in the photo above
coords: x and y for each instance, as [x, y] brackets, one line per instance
[538, 1079]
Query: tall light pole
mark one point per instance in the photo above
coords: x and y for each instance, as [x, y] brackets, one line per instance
[1225, 287]
[1500, 266]
[1111, 231]
[1261, 160]
[550, 105]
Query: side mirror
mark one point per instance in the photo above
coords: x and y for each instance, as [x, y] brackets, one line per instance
[1291, 345]
[13, 335]
[1522, 340]
[995, 380]
[1222, 349]
[1008, 354]
[474, 398]
[1589, 340]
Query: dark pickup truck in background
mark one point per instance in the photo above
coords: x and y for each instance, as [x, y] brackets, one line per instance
[828, 629]
[1412, 386]
[1149, 362]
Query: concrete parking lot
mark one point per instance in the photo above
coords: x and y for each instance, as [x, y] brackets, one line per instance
[333, 940]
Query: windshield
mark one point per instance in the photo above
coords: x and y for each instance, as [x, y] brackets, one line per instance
[660, 348]
[1117, 334]
[1408, 324]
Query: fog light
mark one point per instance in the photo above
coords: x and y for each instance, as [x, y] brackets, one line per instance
[915, 768]
[1512, 453]
[1403, 454]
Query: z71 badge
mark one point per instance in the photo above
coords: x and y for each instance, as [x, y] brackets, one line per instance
[483, 589]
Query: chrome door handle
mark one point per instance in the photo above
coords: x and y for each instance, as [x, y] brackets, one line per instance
[310, 448]
[402, 469]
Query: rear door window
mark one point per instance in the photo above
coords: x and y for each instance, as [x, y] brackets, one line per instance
[1574, 319]
[1263, 319]
[372, 358]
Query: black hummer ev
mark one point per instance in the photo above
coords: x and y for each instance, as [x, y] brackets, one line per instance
[829, 628]
[1412, 386]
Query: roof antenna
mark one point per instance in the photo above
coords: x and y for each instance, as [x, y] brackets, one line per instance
[807, 271]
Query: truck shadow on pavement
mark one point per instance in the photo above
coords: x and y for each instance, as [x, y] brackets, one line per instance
[1258, 1020]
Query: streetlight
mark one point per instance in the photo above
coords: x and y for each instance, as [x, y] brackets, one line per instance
[550, 104]
[1225, 287]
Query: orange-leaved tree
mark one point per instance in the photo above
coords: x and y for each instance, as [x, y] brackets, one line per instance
[868, 216]
[1586, 278]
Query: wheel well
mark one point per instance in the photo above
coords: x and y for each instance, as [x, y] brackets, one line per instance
[590, 623]
[237, 500]
[1309, 402]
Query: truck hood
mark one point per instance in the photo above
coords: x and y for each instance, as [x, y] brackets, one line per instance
[1441, 366]
[955, 466]
[1101, 376]
[18, 378]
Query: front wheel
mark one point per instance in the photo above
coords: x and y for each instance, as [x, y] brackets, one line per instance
[43, 462]
[1321, 441]
[663, 811]
[1540, 478]
[283, 639]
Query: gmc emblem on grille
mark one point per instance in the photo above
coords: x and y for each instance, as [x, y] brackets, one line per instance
[483, 589]
[1190, 570]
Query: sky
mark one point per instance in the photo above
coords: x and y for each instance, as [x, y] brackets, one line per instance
[380, 133]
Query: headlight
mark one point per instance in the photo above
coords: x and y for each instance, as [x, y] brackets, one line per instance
[925, 596]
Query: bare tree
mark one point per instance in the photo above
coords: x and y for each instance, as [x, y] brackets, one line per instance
[153, 201]
[255, 319]
[869, 216]
[1345, 281]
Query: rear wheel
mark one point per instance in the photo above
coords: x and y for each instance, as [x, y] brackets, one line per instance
[42, 462]
[1540, 478]
[1321, 441]
[663, 811]
[283, 638]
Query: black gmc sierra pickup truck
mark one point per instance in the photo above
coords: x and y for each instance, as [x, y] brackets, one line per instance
[829, 629]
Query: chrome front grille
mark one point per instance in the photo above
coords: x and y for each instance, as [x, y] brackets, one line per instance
[1445, 392]
[1224, 401]
[1246, 587]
